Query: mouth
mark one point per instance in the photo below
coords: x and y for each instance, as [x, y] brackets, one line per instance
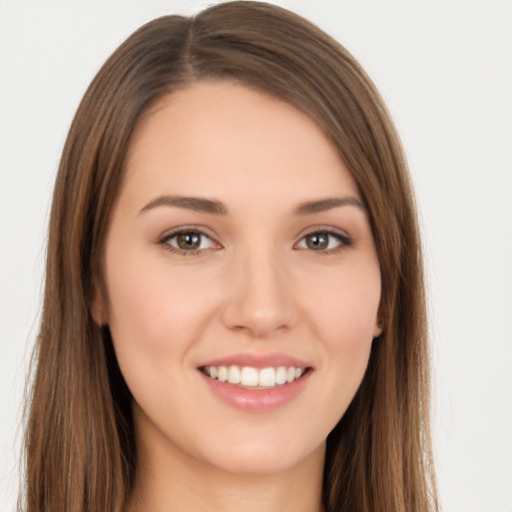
[256, 383]
[249, 377]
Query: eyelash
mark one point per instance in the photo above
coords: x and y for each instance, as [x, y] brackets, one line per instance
[344, 241]
[165, 241]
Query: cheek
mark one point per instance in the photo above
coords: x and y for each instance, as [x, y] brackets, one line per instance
[154, 314]
[345, 308]
[155, 318]
[345, 315]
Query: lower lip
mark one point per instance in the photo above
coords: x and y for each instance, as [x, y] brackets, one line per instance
[257, 400]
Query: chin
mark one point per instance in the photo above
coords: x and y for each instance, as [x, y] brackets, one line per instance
[265, 458]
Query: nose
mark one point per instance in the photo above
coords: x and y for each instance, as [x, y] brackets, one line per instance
[260, 299]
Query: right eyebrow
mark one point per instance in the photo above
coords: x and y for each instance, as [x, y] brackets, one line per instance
[198, 204]
[322, 205]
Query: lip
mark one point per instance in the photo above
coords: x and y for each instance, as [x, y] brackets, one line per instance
[257, 400]
[257, 361]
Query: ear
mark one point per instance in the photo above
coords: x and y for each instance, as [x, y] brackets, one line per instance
[97, 305]
[377, 329]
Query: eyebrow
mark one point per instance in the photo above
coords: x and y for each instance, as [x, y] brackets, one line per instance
[197, 204]
[215, 207]
[322, 205]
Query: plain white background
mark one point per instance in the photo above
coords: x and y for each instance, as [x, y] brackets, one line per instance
[445, 70]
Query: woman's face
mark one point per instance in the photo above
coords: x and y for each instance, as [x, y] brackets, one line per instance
[239, 248]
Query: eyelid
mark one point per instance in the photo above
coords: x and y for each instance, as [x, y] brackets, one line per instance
[345, 240]
[163, 239]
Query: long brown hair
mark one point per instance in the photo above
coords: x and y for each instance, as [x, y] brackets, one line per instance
[80, 449]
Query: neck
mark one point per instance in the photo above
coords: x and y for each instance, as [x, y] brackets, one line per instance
[164, 482]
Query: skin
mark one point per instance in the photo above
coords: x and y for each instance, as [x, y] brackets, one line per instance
[257, 285]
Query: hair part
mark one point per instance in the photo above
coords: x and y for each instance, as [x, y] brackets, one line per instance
[80, 447]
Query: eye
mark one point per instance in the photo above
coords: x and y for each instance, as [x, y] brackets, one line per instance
[188, 241]
[324, 241]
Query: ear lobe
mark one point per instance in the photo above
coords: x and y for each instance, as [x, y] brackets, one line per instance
[377, 329]
[98, 311]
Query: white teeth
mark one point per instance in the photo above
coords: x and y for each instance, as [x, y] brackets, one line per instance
[252, 377]
[249, 376]
[267, 377]
[222, 373]
[281, 375]
[234, 375]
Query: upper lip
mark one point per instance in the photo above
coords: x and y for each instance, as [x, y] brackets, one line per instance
[258, 361]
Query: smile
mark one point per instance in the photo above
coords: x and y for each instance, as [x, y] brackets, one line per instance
[254, 378]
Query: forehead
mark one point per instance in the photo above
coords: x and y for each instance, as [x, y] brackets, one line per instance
[223, 139]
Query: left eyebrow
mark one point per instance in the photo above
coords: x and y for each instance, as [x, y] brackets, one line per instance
[197, 204]
[322, 205]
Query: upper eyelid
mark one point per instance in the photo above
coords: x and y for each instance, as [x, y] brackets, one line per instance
[324, 229]
[165, 241]
[345, 240]
[187, 229]
[203, 230]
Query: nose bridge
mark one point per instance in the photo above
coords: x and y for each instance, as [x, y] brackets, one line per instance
[259, 298]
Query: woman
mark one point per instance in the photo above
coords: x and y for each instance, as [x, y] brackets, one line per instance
[234, 312]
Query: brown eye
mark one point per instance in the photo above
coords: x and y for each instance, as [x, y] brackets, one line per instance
[188, 241]
[317, 241]
[324, 241]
